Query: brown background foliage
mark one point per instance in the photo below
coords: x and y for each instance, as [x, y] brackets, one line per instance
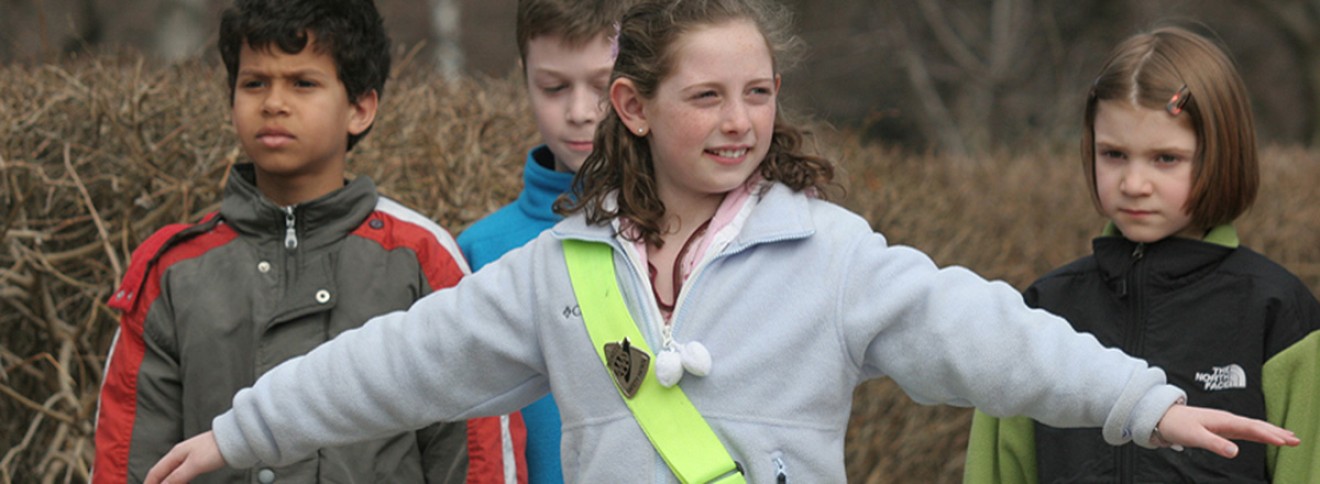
[945, 74]
[95, 154]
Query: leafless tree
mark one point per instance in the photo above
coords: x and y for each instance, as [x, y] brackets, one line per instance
[88, 25]
[937, 122]
[445, 33]
[1299, 21]
[977, 46]
[183, 30]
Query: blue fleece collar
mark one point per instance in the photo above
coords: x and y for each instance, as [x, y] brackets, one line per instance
[542, 185]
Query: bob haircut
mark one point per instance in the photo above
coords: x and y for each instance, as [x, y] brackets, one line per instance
[1148, 70]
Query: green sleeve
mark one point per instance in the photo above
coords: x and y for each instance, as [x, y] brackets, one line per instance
[1001, 451]
[1291, 382]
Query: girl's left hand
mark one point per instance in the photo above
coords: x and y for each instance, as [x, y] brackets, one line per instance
[1211, 429]
[187, 460]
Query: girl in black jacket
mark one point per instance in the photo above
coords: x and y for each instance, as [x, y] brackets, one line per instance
[1169, 150]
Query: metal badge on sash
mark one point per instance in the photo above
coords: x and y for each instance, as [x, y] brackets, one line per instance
[628, 364]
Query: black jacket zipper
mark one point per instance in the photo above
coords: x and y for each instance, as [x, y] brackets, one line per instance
[1133, 343]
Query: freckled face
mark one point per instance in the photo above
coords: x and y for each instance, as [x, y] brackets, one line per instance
[566, 85]
[292, 113]
[712, 118]
[1143, 170]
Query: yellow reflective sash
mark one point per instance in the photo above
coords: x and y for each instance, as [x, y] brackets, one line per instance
[675, 427]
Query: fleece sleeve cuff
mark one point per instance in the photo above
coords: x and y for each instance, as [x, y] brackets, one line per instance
[1151, 410]
[229, 438]
[1138, 423]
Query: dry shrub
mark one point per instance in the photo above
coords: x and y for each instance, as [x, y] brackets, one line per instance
[99, 153]
[95, 154]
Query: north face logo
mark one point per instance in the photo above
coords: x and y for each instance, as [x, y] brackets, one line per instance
[1223, 378]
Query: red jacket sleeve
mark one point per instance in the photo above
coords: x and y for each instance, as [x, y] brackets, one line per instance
[117, 412]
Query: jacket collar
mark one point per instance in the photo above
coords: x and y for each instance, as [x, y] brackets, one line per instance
[780, 214]
[542, 185]
[1171, 261]
[317, 222]
[1224, 235]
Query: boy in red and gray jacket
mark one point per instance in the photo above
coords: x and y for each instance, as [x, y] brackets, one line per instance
[296, 255]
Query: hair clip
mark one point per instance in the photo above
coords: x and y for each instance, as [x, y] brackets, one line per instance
[1095, 88]
[1175, 106]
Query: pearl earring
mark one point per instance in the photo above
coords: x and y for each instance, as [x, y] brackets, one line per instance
[641, 131]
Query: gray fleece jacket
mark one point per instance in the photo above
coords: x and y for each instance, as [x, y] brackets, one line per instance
[804, 304]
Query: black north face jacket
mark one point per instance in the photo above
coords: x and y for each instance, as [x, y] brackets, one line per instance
[1220, 320]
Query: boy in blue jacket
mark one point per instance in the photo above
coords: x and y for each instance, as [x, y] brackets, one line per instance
[566, 54]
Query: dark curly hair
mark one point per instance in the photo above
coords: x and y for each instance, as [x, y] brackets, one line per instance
[350, 31]
[622, 162]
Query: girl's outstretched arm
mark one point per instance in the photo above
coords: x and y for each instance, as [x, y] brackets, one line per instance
[1211, 429]
[187, 460]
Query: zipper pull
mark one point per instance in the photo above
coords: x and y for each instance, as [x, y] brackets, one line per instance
[781, 471]
[290, 236]
[1137, 253]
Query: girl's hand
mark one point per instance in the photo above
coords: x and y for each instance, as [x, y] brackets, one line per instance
[189, 459]
[1211, 430]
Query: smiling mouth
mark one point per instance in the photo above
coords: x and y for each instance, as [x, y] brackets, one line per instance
[729, 153]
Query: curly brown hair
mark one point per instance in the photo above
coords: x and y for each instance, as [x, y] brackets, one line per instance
[621, 163]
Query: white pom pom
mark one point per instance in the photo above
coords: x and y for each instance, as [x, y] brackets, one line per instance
[668, 368]
[696, 359]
